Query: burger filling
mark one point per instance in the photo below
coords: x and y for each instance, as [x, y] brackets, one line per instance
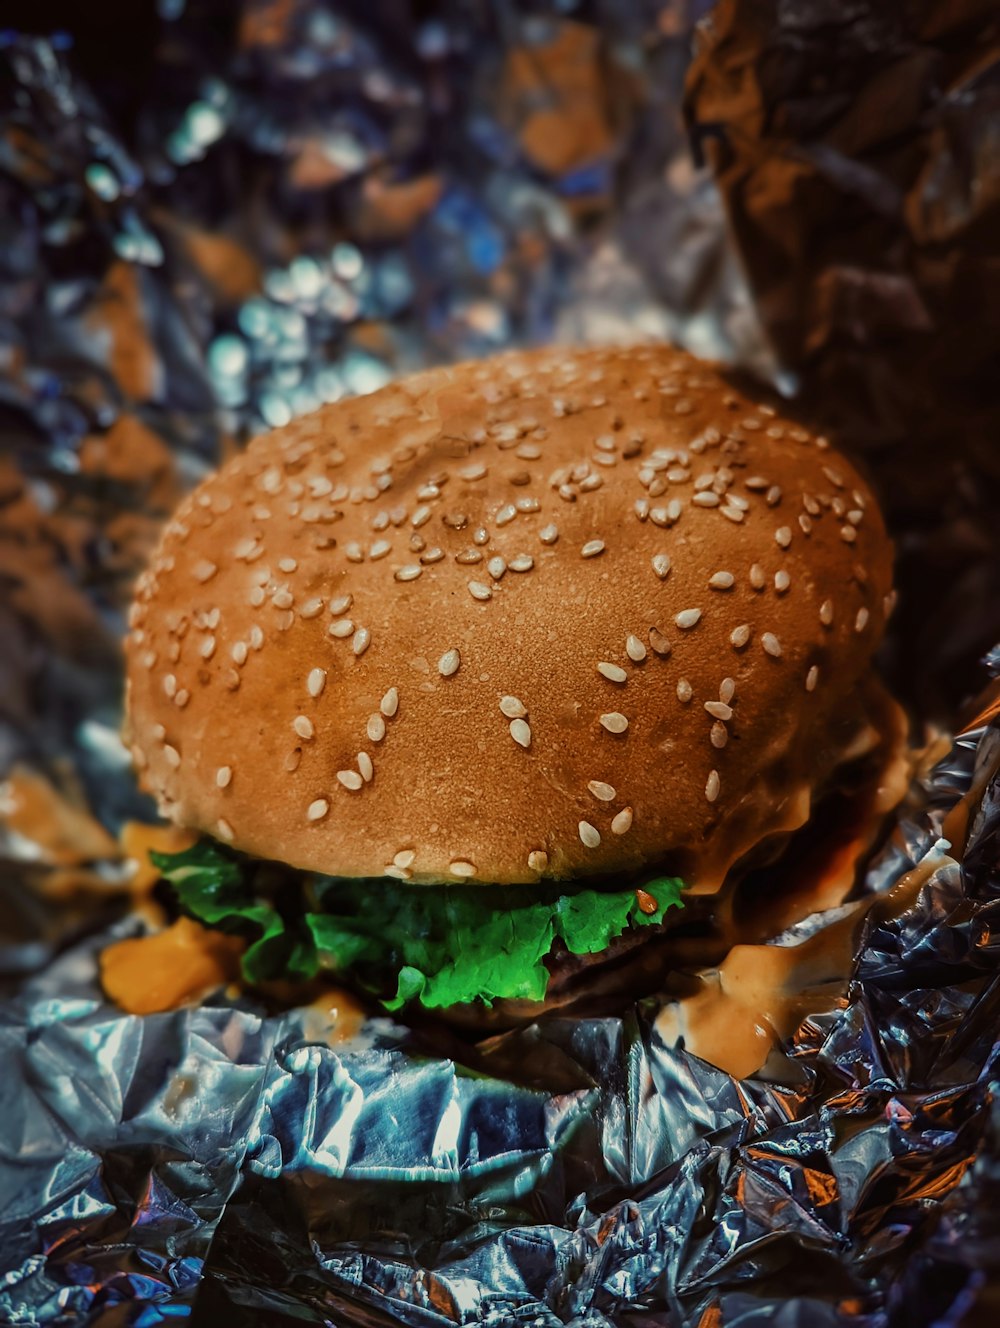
[438, 946]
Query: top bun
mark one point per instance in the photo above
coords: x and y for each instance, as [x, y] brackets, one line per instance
[555, 614]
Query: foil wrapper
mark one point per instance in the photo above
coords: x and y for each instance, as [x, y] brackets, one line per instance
[245, 215]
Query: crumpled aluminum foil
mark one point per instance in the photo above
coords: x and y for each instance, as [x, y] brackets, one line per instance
[307, 201]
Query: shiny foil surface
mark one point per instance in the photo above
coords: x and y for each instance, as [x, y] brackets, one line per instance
[277, 203]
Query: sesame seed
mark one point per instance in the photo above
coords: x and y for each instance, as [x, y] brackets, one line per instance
[404, 858]
[389, 703]
[361, 640]
[506, 514]
[512, 707]
[661, 565]
[522, 563]
[826, 612]
[783, 536]
[408, 573]
[311, 609]
[721, 580]
[172, 757]
[861, 621]
[712, 786]
[479, 591]
[420, 517]
[732, 513]
[812, 678]
[224, 829]
[474, 472]
[496, 567]
[622, 823]
[771, 644]
[182, 698]
[614, 721]
[287, 564]
[634, 648]
[719, 710]
[223, 776]
[719, 735]
[366, 767]
[705, 499]
[207, 648]
[170, 685]
[204, 571]
[848, 534]
[341, 604]
[684, 691]
[590, 836]
[448, 663]
[782, 581]
[604, 792]
[592, 548]
[688, 618]
[379, 549]
[316, 682]
[727, 690]
[548, 534]
[757, 578]
[353, 552]
[659, 642]
[462, 868]
[611, 671]
[317, 810]
[520, 732]
[468, 557]
[350, 779]
[303, 726]
[773, 496]
[538, 860]
[256, 635]
[375, 727]
[341, 628]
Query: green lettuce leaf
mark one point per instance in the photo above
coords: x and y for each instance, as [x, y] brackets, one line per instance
[438, 945]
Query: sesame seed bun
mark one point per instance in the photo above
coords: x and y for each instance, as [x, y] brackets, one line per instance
[555, 615]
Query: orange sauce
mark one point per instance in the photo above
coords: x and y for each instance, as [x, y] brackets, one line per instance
[62, 834]
[177, 966]
[757, 997]
[333, 1017]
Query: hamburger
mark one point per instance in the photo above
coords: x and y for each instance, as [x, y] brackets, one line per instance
[516, 684]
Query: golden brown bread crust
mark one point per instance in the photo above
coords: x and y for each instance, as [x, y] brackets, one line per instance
[429, 511]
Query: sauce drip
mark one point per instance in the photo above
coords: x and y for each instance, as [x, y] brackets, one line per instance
[177, 966]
